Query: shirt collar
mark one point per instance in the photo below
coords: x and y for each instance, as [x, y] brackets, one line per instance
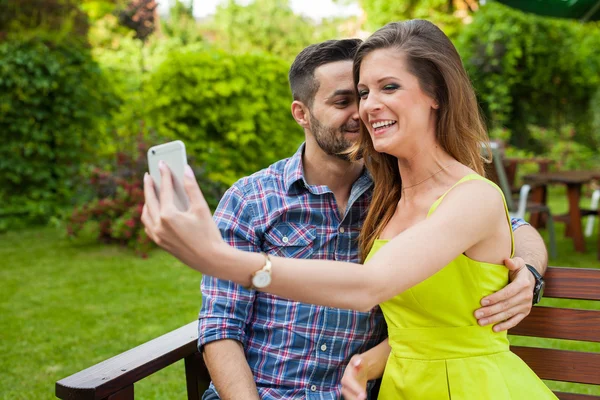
[294, 171]
[294, 176]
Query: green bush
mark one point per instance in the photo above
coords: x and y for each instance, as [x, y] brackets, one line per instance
[53, 97]
[560, 147]
[532, 70]
[232, 111]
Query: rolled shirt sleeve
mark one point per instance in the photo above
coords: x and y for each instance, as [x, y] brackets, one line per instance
[226, 306]
[517, 223]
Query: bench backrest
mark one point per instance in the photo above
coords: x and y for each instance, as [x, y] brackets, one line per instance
[565, 323]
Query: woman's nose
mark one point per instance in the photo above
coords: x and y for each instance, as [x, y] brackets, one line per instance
[371, 103]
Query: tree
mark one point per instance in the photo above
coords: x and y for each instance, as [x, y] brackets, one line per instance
[448, 14]
[241, 28]
[141, 17]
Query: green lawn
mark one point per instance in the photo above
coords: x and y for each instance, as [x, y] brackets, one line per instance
[68, 305]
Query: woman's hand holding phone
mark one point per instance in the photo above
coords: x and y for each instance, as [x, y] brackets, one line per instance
[190, 235]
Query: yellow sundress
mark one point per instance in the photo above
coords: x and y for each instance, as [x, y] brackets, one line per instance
[438, 350]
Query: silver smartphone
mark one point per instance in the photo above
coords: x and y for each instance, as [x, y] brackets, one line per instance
[173, 154]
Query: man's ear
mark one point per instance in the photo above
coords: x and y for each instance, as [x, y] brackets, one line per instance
[301, 113]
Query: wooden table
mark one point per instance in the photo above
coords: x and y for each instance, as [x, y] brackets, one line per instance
[574, 180]
[511, 164]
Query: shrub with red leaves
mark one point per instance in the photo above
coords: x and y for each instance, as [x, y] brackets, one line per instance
[117, 205]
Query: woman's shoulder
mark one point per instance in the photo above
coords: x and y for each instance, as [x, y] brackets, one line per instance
[473, 192]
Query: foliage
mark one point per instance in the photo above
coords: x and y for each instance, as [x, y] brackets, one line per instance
[448, 15]
[53, 98]
[560, 147]
[532, 70]
[117, 203]
[139, 16]
[262, 25]
[129, 62]
[31, 17]
[232, 111]
[181, 24]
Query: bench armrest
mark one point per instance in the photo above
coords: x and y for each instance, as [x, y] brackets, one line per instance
[122, 371]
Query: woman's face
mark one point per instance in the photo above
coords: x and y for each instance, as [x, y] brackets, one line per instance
[399, 116]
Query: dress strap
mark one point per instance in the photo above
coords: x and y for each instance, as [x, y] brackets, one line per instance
[477, 177]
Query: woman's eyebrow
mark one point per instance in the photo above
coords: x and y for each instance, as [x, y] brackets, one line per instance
[386, 77]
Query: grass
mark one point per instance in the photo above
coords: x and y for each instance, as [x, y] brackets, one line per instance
[66, 305]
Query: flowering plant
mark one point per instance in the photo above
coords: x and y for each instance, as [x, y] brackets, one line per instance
[117, 204]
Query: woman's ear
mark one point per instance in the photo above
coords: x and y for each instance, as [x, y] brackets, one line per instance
[300, 113]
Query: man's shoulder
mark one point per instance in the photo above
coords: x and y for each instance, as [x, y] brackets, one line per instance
[272, 177]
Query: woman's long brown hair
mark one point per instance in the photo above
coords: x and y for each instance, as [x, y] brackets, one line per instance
[460, 130]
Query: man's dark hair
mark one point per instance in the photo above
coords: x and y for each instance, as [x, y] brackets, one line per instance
[302, 79]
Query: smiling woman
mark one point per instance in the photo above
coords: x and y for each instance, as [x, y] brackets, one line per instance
[433, 250]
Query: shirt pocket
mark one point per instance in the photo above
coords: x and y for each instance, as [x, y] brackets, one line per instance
[289, 239]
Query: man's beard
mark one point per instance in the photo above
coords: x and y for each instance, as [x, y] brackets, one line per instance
[331, 140]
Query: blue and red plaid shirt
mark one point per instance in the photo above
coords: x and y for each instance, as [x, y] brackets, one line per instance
[295, 350]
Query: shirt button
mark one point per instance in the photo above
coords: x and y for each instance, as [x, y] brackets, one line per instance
[324, 347]
[313, 388]
[342, 230]
[285, 239]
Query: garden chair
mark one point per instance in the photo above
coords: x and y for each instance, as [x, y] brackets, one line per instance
[517, 208]
[589, 226]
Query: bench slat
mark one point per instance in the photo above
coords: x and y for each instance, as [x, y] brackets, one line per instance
[575, 396]
[572, 283]
[562, 365]
[560, 323]
[119, 372]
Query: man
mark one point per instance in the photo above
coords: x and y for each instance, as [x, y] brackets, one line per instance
[312, 205]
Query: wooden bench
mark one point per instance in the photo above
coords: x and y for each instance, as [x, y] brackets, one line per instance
[114, 378]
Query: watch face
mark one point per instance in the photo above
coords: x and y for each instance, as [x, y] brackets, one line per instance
[539, 292]
[261, 279]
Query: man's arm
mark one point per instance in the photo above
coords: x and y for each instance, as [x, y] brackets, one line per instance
[220, 339]
[530, 246]
[507, 307]
[229, 370]
[226, 308]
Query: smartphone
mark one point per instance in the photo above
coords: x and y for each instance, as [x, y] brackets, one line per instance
[173, 154]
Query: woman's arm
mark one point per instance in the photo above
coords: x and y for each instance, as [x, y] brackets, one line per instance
[469, 214]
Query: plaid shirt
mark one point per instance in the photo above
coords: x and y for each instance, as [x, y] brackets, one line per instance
[295, 350]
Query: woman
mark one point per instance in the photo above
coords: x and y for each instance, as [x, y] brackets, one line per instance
[436, 235]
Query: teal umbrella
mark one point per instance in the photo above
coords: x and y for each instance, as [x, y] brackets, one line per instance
[583, 10]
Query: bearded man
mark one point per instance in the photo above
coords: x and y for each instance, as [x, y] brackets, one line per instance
[311, 205]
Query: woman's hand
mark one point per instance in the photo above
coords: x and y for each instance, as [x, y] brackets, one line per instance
[190, 235]
[354, 381]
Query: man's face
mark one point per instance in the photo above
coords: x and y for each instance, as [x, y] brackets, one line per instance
[334, 113]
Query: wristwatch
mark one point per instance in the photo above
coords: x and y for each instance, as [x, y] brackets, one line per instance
[262, 278]
[538, 289]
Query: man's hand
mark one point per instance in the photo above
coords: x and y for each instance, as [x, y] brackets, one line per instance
[507, 307]
[354, 381]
